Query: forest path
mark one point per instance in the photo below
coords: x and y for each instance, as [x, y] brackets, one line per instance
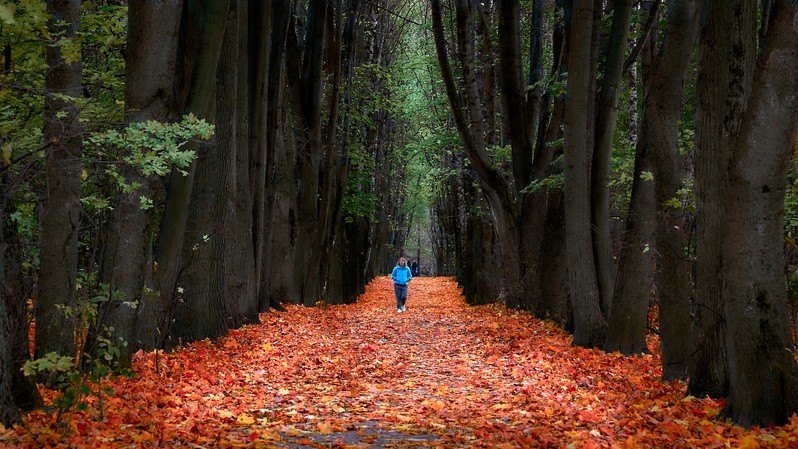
[442, 374]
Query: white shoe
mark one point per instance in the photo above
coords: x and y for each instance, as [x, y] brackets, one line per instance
[403, 308]
[399, 310]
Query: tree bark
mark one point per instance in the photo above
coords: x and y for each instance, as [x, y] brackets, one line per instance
[198, 56]
[606, 117]
[589, 324]
[662, 109]
[60, 210]
[149, 77]
[725, 57]
[208, 308]
[627, 321]
[763, 376]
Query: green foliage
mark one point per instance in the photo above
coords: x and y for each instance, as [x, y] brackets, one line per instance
[82, 375]
[154, 148]
[551, 181]
[359, 201]
[791, 206]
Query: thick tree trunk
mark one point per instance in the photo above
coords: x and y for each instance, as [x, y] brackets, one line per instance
[200, 48]
[60, 211]
[149, 77]
[589, 324]
[763, 376]
[662, 109]
[725, 56]
[208, 307]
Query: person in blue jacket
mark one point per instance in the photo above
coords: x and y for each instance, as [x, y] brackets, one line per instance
[401, 276]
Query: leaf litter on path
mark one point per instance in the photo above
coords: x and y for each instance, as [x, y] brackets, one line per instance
[441, 374]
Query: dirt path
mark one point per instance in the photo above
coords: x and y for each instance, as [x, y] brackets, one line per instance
[442, 374]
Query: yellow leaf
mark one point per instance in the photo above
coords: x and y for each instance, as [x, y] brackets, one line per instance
[245, 420]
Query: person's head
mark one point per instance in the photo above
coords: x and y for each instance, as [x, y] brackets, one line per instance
[401, 262]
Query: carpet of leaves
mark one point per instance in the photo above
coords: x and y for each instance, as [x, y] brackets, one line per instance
[442, 374]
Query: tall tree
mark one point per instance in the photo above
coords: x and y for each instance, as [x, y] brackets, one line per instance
[467, 107]
[589, 323]
[149, 77]
[763, 376]
[662, 107]
[60, 209]
[606, 117]
[726, 55]
[199, 49]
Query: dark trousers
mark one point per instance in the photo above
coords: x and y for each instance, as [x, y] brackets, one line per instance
[401, 294]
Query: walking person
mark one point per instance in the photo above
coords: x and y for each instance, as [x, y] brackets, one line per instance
[401, 276]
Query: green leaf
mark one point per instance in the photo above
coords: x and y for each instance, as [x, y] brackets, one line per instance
[7, 14]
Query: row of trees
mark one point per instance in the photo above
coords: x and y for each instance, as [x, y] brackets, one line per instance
[172, 169]
[535, 90]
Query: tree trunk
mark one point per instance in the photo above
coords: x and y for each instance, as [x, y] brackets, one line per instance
[207, 308]
[260, 126]
[149, 77]
[763, 376]
[16, 390]
[497, 189]
[272, 207]
[9, 413]
[60, 211]
[606, 116]
[662, 109]
[199, 51]
[628, 316]
[589, 323]
[305, 76]
[239, 257]
[725, 57]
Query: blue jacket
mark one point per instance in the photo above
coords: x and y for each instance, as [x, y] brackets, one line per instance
[401, 275]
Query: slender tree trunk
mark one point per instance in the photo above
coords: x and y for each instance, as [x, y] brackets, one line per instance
[606, 116]
[60, 210]
[471, 131]
[16, 390]
[239, 257]
[763, 375]
[9, 413]
[261, 126]
[271, 207]
[589, 323]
